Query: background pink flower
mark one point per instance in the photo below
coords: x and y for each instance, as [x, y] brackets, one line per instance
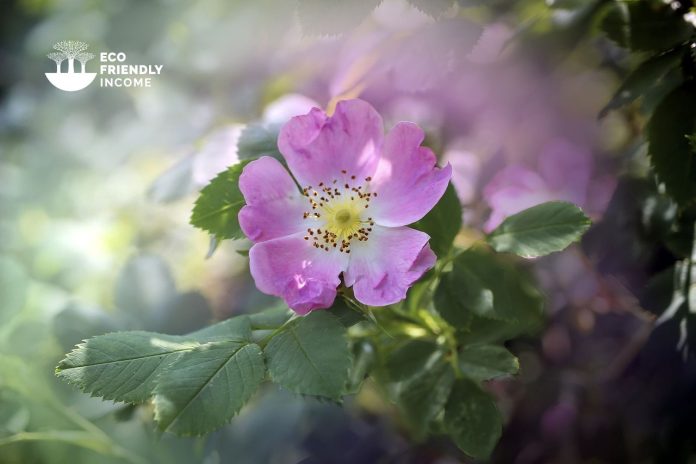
[564, 172]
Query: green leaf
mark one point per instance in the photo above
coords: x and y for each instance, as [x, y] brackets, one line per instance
[645, 25]
[13, 289]
[311, 356]
[206, 386]
[235, 328]
[484, 362]
[443, 222]
[649, 75]
[345, 314]
[577, 22]
[270, 318]
[423, 397]
[472, 419]
[409, 359]
[488, 297]
[124, 366]
[259, 139]
[540, 230]
[121, 366]
[219, 203]
[615, 23]
[213, 245]
[663, 87]
[671, 154]
[363, 361]
[460, 295]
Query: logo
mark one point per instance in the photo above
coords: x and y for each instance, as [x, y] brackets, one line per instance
[114, 70]
[72, 80]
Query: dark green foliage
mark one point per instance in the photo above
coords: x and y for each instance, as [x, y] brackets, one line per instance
[645, 79]
[485, 285]
[472, 419]
[443, 222]
[485, 362]
[672, 155]
[645, 25]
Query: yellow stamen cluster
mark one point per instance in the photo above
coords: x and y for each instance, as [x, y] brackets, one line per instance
[341, 206]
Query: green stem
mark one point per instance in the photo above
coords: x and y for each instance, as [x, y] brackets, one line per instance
[454, 352]
[275, 332]
[90, 429]
[75, 438]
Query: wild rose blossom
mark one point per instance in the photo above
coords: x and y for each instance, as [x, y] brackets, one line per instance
[359, 191]
[566, 172]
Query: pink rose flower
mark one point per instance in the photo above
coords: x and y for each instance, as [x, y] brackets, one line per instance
[565, 172]
[359, 191]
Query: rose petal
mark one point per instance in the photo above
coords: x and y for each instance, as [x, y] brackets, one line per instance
[512, 190]
[274, 205]
[407, 181]
[318, 147]
[466, 170]
[383, 268]
[566, 168]
[290, 268]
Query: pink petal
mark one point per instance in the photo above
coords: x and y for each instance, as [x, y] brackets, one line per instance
[274, 205]
[407, 181]
[382, 269]
[512, 190]
[466, 170]
[290, 268]
[566, 168]
[318, 147]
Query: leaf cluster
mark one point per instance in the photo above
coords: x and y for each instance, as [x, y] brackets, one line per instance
[198, 382]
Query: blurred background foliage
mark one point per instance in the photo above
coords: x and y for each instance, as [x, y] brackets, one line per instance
[96, 188]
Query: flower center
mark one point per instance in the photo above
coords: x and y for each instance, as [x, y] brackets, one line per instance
[343, 217]
[339, 213]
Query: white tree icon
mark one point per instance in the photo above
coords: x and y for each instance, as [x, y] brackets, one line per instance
[83, 58]
[71, 81]
[58, 57]
[71, 48]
